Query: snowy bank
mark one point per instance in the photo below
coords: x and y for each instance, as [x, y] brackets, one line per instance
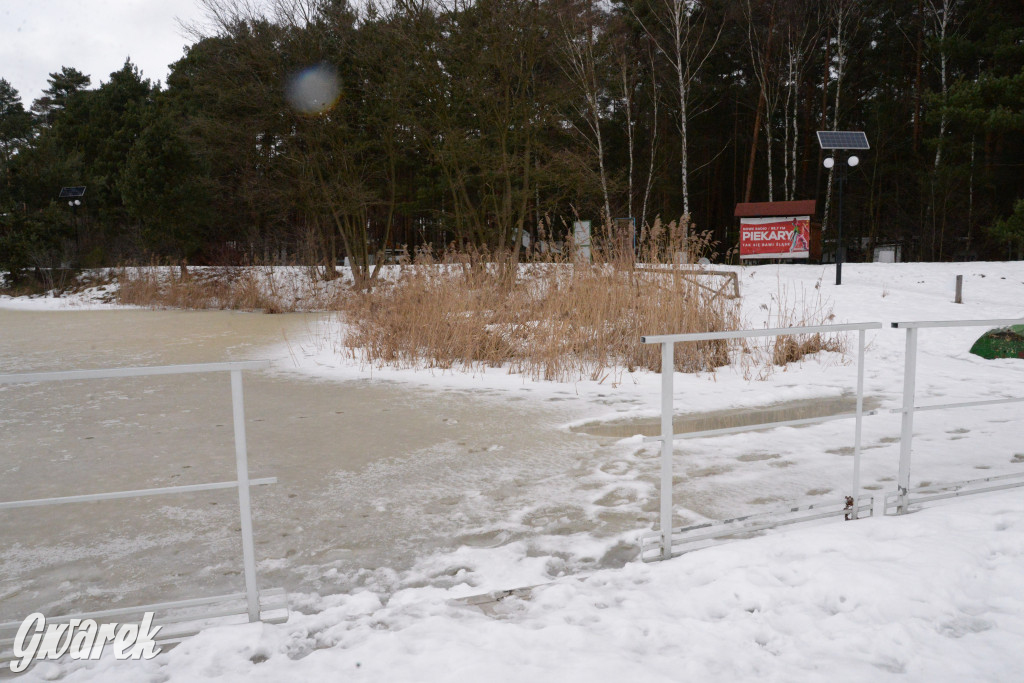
[934, 596]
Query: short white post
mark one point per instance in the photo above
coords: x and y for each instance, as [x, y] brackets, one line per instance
[907, 431]
[667, 372]
[959, 299]
[858, 422]
[245, 512]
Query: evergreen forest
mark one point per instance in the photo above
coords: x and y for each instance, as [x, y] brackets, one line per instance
[308, 131]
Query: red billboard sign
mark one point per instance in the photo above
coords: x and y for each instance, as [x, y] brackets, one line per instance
[778, 237]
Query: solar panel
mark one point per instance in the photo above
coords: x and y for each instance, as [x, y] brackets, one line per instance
[843, 139]
[72, 192]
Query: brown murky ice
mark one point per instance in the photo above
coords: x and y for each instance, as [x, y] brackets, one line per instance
[371, 475]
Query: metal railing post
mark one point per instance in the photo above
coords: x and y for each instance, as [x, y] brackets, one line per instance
[858, 422]
[244, 509]
[907, 430]
[667, 372]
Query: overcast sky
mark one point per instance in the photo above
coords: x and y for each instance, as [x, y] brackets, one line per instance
[38, 37]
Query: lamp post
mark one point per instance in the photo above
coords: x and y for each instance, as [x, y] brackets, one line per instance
[829, 163]
[74, 204]
[839, 142]
[74, 196]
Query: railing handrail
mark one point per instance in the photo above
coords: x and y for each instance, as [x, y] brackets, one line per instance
[768, 332]
[137, 493]
[137, 371]
[998, 322]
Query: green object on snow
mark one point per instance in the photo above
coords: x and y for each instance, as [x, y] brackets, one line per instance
[1005, 342]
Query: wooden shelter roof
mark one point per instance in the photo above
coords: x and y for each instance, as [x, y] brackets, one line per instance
[803, 207]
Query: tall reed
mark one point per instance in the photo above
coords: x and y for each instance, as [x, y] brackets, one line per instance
[555, 317]
[199, 288]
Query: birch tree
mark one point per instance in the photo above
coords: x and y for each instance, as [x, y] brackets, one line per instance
[941, 14]
[801, 30]
[761, 42]
[655, 97]
[580, 63]
[628, 76]
[679, 29]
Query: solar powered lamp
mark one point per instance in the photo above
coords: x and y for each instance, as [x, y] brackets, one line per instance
[74, 196]
[839, 141]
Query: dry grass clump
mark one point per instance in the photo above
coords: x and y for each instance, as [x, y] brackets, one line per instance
[799, 310]
[199, 288]
[794, 347]
[792, 308]
[553, 318]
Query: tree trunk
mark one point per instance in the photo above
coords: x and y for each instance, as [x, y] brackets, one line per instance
[753, 149]
[654, 142]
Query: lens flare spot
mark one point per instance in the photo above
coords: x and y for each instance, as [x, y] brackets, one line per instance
[314, 90]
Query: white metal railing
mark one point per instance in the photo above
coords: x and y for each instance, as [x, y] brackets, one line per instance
[667, 436]
[273, 602]
[901, 499]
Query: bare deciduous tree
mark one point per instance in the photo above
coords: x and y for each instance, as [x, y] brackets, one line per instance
[580, 63]
[678, 30]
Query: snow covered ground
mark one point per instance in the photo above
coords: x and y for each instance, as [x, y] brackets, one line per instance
[92, 299]
[935, 595]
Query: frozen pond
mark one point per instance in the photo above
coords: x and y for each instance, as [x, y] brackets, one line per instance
[377, 480]
[372, 475]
